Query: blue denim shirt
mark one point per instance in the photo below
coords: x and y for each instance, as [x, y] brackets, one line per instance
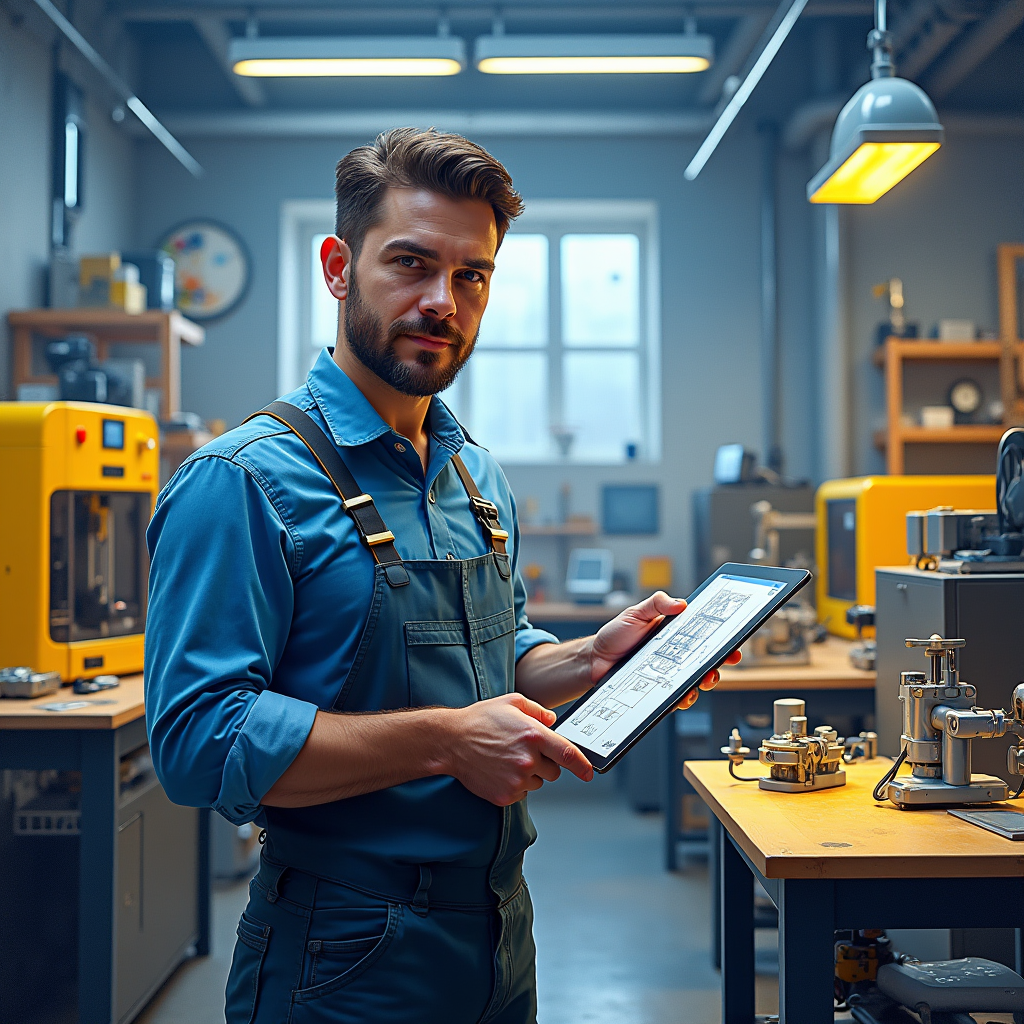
[259, 584]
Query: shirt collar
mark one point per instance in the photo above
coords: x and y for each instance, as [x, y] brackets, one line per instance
[353, 421]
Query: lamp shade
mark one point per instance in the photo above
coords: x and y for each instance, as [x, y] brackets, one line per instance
[887, 129]
[596, 54]
[330, 57]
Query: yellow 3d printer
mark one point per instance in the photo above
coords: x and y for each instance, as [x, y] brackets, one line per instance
[79, 485]
[862, 524]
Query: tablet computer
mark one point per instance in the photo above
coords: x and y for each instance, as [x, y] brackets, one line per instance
[635, 694]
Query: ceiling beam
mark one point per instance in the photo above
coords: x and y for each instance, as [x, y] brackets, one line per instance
[733, 56]
[501, 123]
[593, 13]
[214, 33]
[985, 37]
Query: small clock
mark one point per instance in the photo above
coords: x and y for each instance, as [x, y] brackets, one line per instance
[965, 396]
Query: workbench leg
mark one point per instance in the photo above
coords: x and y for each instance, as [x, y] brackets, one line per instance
[737, 942]
[97, 874]
[203, 883]
[806, 950]
[715, 832]
[672, 798]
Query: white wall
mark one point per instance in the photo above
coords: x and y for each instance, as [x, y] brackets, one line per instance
[709, 239]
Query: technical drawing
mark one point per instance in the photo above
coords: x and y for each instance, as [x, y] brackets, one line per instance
[642, 685]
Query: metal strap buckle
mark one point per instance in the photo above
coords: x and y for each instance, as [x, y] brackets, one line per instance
[373, 539]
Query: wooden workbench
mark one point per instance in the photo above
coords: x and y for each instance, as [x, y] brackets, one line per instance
[835, 691]
[141, 860]
[834, 859]
[107, 709]
[830, 669]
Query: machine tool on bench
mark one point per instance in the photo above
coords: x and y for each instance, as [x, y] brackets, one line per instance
[940, 722]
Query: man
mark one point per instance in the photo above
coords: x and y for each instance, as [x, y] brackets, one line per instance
[337, 645]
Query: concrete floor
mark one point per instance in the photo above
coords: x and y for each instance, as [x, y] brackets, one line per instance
[618, 938]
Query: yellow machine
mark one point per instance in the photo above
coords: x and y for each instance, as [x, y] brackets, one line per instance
[79, 482]
[862, 524]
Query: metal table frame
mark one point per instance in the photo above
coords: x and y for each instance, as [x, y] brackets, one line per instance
[811, 910]
[96, 753]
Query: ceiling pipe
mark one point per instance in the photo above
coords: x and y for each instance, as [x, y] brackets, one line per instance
[734, 55]
[774, 36]
[975, 46]
[117, 84]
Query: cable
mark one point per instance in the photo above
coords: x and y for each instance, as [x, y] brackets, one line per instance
[879, 791]
[1020, 789]
[740, 778]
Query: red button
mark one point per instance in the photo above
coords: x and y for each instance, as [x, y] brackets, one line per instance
[80, 435]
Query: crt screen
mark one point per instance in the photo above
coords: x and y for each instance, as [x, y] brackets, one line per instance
[841, 523]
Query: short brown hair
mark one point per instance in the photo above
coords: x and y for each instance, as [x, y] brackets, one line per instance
[440, 162]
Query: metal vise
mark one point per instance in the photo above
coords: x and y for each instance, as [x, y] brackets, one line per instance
[939, 722]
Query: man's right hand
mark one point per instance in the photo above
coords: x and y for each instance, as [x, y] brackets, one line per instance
[502, 748]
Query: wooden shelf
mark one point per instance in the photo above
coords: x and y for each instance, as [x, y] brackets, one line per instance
[897, 435]
[938, 350]
[965, 433]
[169, 330]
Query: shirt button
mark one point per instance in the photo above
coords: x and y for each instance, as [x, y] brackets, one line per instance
[399, 447]
[430, 497]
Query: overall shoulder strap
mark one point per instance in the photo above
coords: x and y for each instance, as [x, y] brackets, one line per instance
[372, 529]
[485, 511]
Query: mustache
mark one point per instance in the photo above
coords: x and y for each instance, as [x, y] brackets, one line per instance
[430, 329]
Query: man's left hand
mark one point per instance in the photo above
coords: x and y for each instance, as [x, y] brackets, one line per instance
[618, 637]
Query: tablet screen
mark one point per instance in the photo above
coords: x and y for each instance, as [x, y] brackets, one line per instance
[707, 627]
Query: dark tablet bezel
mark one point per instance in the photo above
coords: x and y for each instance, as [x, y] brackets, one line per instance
[792, 580]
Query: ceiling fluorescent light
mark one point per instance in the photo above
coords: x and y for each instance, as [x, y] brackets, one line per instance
[887, 129]
[594, 55]
[336, 57]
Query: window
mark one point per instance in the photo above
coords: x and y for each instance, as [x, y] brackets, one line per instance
[565, 364]
[565, 368]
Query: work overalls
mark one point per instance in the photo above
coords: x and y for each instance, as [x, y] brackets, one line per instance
[407, 904]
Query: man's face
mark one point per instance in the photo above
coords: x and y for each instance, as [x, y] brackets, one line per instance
[418, 289]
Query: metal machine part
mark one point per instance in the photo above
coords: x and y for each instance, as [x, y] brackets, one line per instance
[953, 986]
[863, 652]
[940, 720]
[784, 639]
[22, 681]
[797, 762]
[769, 522]
[862, 747]
[970, 540]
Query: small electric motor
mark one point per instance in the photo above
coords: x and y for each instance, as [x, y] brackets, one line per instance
[799, 762]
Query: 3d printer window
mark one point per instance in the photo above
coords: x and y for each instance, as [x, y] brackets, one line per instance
[98, 564]
[841, 520]
[113, 433]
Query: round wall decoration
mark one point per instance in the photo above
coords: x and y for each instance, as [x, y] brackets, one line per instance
[211, 268]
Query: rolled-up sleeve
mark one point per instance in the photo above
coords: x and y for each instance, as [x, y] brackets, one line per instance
[220, 606]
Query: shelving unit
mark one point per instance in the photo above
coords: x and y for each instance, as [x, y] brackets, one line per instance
[1011, 364]
[169, 330]
[894, 439]
[563, 533]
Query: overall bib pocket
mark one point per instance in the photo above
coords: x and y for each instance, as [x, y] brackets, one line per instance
[440, 669]
[244, 977]
[494, 648]
[330, 964]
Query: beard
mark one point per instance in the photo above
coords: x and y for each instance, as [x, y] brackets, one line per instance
[374, 347]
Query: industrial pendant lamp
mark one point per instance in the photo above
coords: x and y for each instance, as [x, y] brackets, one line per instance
[887, 129]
